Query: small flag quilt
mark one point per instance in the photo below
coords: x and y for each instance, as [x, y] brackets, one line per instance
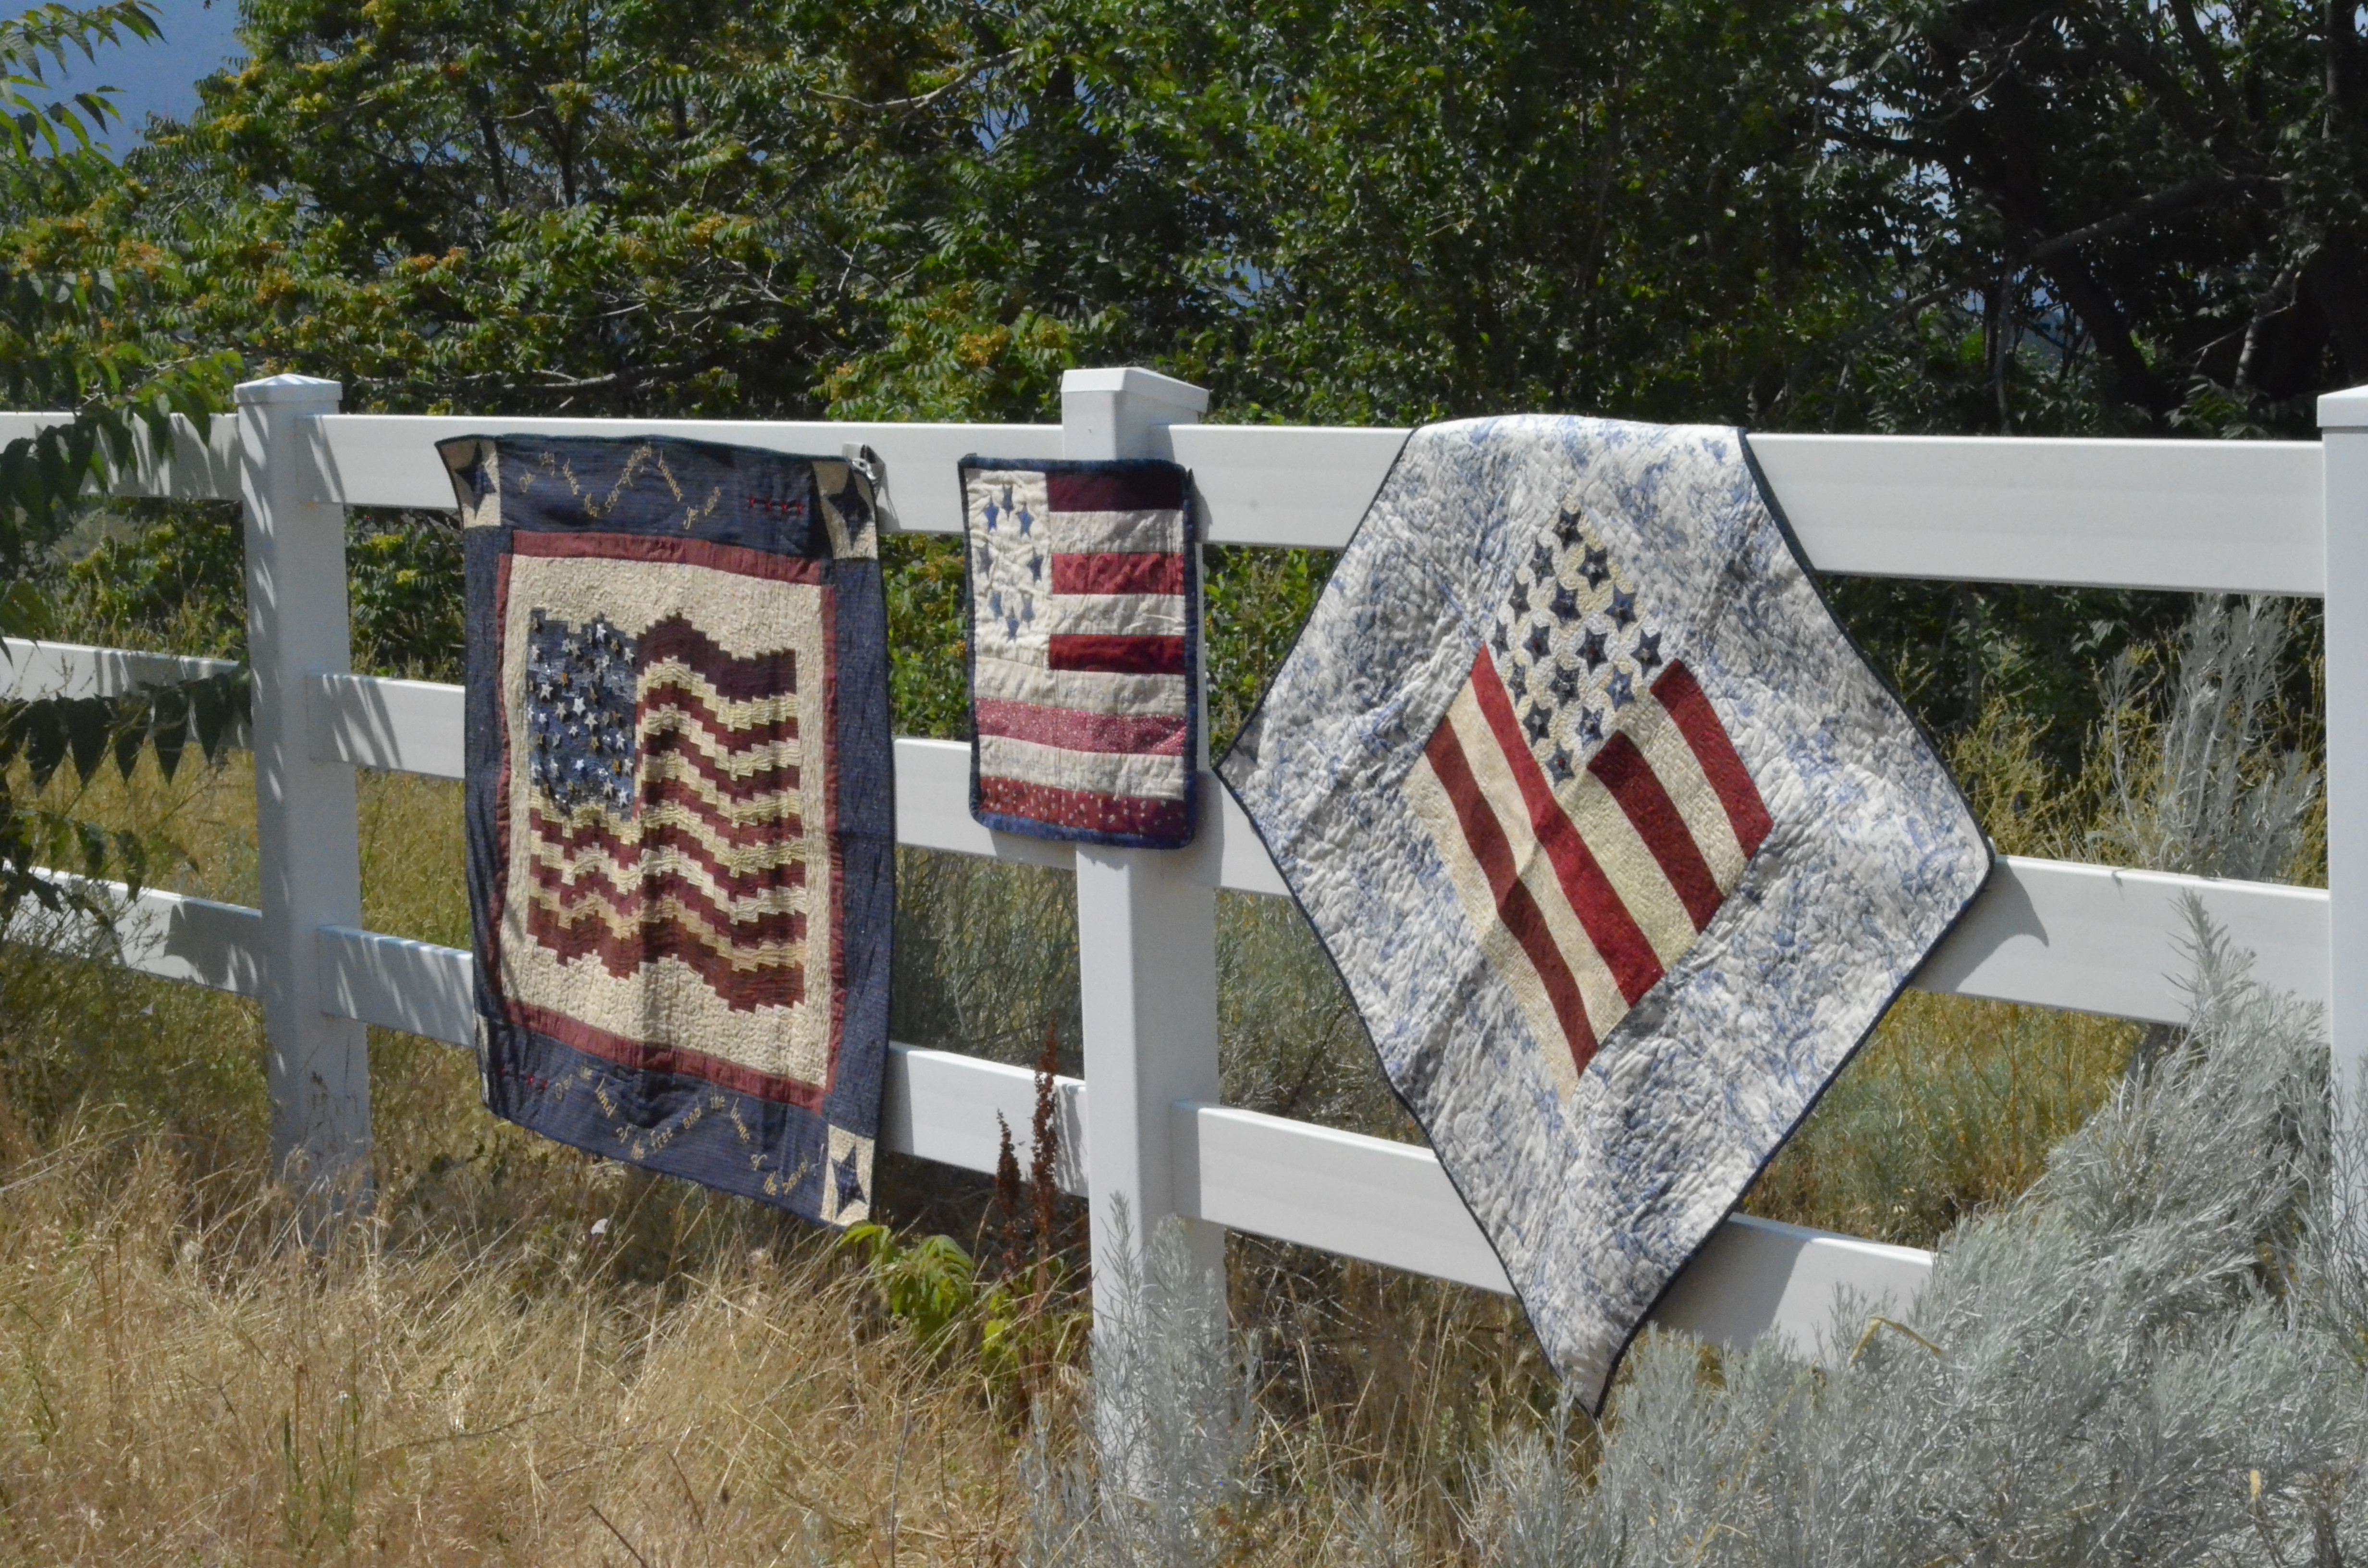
[680, 823]
[1621, 847]
[1084, 666]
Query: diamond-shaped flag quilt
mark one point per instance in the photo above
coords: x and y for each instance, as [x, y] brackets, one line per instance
[1620, 846]
[1084, 588]
[680, 824]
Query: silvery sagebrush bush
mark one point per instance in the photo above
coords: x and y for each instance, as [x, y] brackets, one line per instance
[2212, 797]
[1170, 1401]
[2155, 1356]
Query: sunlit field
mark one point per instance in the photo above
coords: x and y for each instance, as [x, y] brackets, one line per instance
[531, 1355]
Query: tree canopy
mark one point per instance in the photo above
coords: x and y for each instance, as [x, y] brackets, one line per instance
[2123, 215]
[89, 312]
[2139, 217]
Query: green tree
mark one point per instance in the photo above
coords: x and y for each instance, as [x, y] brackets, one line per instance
[88, 328]
[2154, 213]
[2043, 216]
[650, 208]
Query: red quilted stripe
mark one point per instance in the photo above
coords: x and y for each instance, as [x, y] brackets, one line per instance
[1139, 734]
[572, 836]
[1150, 572]
[1593, 899]
[1517, 907]
[1117, 655]
[1158, 489]
[580, 885]
[667, 697]
[785, 822]
[766, 675]
[646, 1057]
[743, 990]
[1131, 815]
[1688, 704]
[629, 858]
[1638, 790]
[735, 559]
[762, 781]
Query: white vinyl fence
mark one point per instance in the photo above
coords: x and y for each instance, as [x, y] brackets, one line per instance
[1146, 1123]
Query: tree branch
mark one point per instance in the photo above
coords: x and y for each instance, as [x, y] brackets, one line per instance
[2207, 65]
[925, 99]
[2186, 193]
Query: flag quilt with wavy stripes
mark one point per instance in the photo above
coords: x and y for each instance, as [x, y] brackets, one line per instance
[681, 833]
[1084, 588]
[1621, 847]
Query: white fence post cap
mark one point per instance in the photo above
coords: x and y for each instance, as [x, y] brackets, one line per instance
[2345, 410]
[1134, 381]
[290, 389]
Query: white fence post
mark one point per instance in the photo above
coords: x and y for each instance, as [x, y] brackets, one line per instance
[1147, 921]
[2343, 425]
[307, 839]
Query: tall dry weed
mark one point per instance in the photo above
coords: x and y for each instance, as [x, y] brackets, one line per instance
[516, 1389]
[181, 1382]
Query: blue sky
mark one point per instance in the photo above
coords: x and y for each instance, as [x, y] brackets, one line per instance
[157, 78]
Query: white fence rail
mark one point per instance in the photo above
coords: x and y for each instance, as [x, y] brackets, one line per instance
[1145, 1123]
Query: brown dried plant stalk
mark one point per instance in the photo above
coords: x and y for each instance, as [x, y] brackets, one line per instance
[1044, 1164]
[1007, 1196]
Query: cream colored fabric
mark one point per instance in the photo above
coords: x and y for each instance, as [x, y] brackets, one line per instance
[1090, 691]
[1121, 615]
[668, 1003]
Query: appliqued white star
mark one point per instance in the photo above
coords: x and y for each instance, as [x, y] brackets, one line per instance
[1574, 644]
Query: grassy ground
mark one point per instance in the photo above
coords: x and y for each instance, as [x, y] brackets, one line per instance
[490, 1372]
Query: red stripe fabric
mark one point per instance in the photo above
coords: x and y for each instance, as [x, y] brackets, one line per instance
[1682, 695]
[1514, 905]
[578, 885]
[758, 781]
[1617, 938]
[787, 820]
[649, 1058]
[1633, 783]
[1121, 489]
[1114, 654]
[1153, 571]
[729, 558]
[667, 697]
[760, 676]
[743, 982]
[1072, 729]
[571, 840]
[1134, 815]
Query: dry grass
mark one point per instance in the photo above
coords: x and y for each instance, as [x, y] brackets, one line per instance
[475, 1376]
[181, 1385]
[1953, 1103]
[1952, 1107]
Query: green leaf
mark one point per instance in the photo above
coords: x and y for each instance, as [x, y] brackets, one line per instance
[44, 728]
[168, 726]
[89, 724]
[26, 610]
[128, 725]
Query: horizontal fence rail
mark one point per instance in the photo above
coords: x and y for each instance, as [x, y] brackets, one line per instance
[2052, 933]
[2195, 517]
[73, 669]
[2062, 934]
[2172, 515]
[1344, 1192]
